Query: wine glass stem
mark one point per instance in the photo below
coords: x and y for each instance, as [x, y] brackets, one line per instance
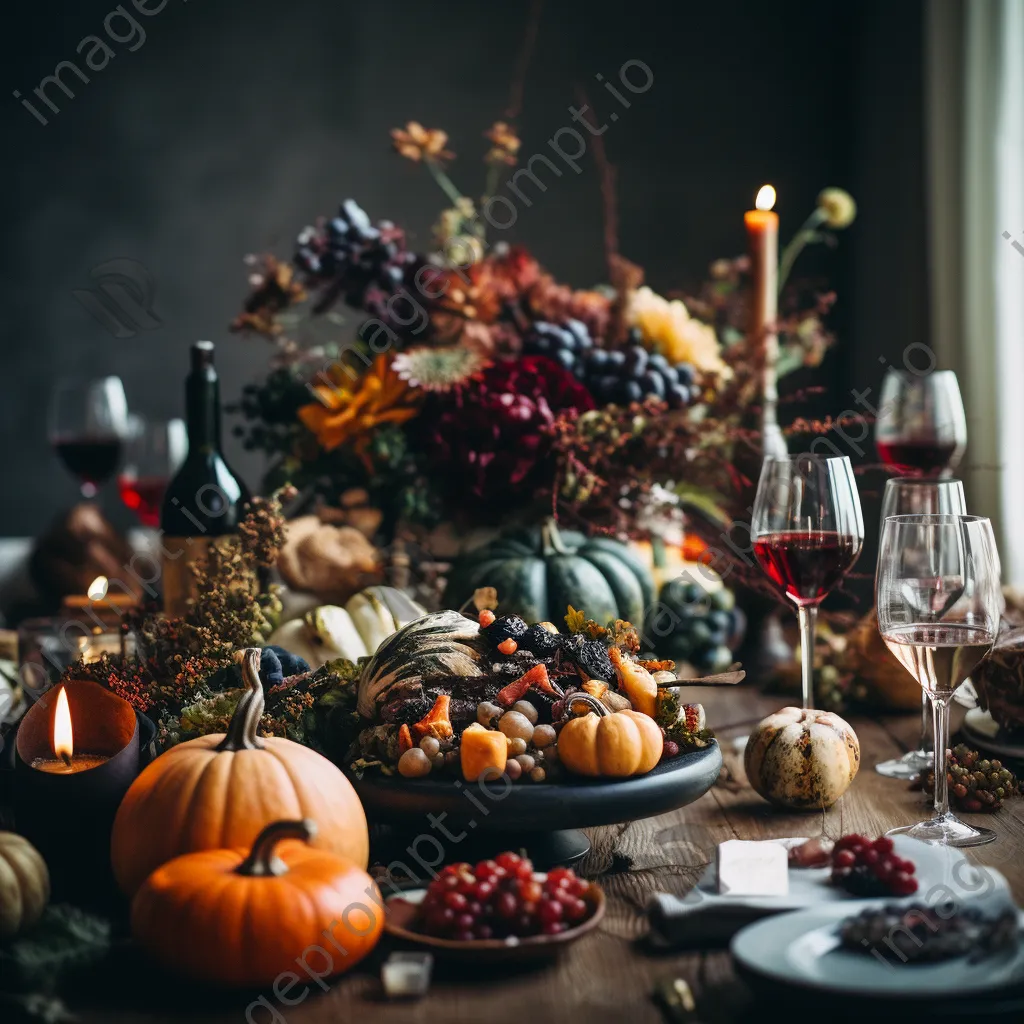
[940, 724]
[808, 614]
[926, 721]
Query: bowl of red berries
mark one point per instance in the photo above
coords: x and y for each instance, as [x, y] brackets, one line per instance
[867, 867]
[497, 910]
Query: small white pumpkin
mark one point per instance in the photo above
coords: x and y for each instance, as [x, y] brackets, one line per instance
[24, 884]
[803, 760]
[352, 632]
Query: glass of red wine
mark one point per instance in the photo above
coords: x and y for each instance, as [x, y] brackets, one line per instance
[153, 452]
[939, 603]
[920, 427]
[87, 424]
[909, 495]
[808, 531]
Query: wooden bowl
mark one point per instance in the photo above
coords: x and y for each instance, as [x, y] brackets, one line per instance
[402, 918]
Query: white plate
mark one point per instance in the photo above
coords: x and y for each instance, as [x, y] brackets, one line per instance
[706, 915]
[803, 949]
[997, 744]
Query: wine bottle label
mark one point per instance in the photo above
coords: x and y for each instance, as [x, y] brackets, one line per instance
[186, 560]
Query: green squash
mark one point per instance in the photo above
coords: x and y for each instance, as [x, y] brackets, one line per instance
[539, 572]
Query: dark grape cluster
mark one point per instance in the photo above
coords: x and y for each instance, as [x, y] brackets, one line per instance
[866, 867]
[617, 376]
[355, 254]
[501, 898]
[691, 624]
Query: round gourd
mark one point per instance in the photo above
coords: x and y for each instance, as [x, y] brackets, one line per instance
[608, 744]
[539, 573]
[220, 790]
[439, 644]
[354, 631]
[24, 884]
[245, 918]
[803, 760]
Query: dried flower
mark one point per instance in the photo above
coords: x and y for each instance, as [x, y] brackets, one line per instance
[275, 288]
[348, 413]
[441, 368]
[504, 144]
[838, 206]
[667, 326]
[416, 143]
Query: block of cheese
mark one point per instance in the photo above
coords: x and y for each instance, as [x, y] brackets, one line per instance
[747, 868]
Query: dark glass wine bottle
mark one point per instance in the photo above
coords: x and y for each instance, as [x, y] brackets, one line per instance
[206, 499]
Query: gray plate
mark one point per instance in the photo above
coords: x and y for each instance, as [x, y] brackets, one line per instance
[539, 807]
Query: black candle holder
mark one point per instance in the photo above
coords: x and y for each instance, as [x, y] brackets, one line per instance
[69, 817]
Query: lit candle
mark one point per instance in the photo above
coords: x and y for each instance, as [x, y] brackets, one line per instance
[763, 233]
[65, 761]
[99, 593]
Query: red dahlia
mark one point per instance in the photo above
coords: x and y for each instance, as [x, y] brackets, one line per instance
[487, 438]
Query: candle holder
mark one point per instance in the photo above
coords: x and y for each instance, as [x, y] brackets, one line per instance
[69, 817]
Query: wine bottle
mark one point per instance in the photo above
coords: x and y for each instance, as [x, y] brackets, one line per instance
[205, 501]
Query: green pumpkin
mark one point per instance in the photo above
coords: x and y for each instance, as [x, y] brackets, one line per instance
[539, 572]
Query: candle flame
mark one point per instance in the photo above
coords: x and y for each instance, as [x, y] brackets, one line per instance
[63, 737]
[98, 588]
[765, 197]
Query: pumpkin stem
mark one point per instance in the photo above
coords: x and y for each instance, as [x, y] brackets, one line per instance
[243, 729]
[579, 697]
[551, 540]
[263, 860]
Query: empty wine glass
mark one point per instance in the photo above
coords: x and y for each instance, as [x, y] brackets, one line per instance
[939, 602]
[153, 452]
[920, 427]
[808, 531]
[910, 495]
[87, 423]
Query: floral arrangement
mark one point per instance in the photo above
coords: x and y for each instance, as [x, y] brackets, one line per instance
[479, 388]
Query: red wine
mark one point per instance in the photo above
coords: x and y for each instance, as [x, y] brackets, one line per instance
[205, 500]
[92, 459]
[940, 657]
[143, 495]
[912, 458]
[806, 566]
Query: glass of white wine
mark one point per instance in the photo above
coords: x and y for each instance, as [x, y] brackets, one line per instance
[910, 495]
[939, 602]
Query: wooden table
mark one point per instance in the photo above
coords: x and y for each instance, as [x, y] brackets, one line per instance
[609, 976]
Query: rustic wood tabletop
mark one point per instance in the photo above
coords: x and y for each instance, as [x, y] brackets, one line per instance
[611, 974]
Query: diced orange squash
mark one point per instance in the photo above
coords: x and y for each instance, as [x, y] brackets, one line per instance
[404, 740]
[436, 722]
[482, 751]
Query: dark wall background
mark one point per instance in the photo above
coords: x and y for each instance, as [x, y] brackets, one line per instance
[237, 121]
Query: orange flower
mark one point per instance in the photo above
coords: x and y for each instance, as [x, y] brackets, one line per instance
[415, 142]
[344, 414]
[504, 144]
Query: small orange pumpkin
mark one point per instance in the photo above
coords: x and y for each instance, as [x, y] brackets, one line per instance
[219, 791]
[605, 743]
[245, 918]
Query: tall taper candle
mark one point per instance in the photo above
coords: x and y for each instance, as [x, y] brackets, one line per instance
[763, 233]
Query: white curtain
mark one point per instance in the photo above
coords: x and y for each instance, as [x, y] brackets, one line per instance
[975, 138]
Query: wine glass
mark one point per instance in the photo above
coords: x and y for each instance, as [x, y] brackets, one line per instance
[909, 495]
[939, 602]
[153, 452]
[920, 428]
[87, 423]
[808, 531]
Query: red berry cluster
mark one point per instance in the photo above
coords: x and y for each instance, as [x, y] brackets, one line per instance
[501, 898]
[866, 867]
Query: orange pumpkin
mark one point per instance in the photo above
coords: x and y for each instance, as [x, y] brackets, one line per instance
[219, 791]
[245, 918]
[610, 744]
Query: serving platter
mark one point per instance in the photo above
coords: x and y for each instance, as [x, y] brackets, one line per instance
[403, 912]
[546, 814]
[976, 728]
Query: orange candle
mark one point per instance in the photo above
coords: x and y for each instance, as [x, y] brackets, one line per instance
[762, 226]
[66, 761]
